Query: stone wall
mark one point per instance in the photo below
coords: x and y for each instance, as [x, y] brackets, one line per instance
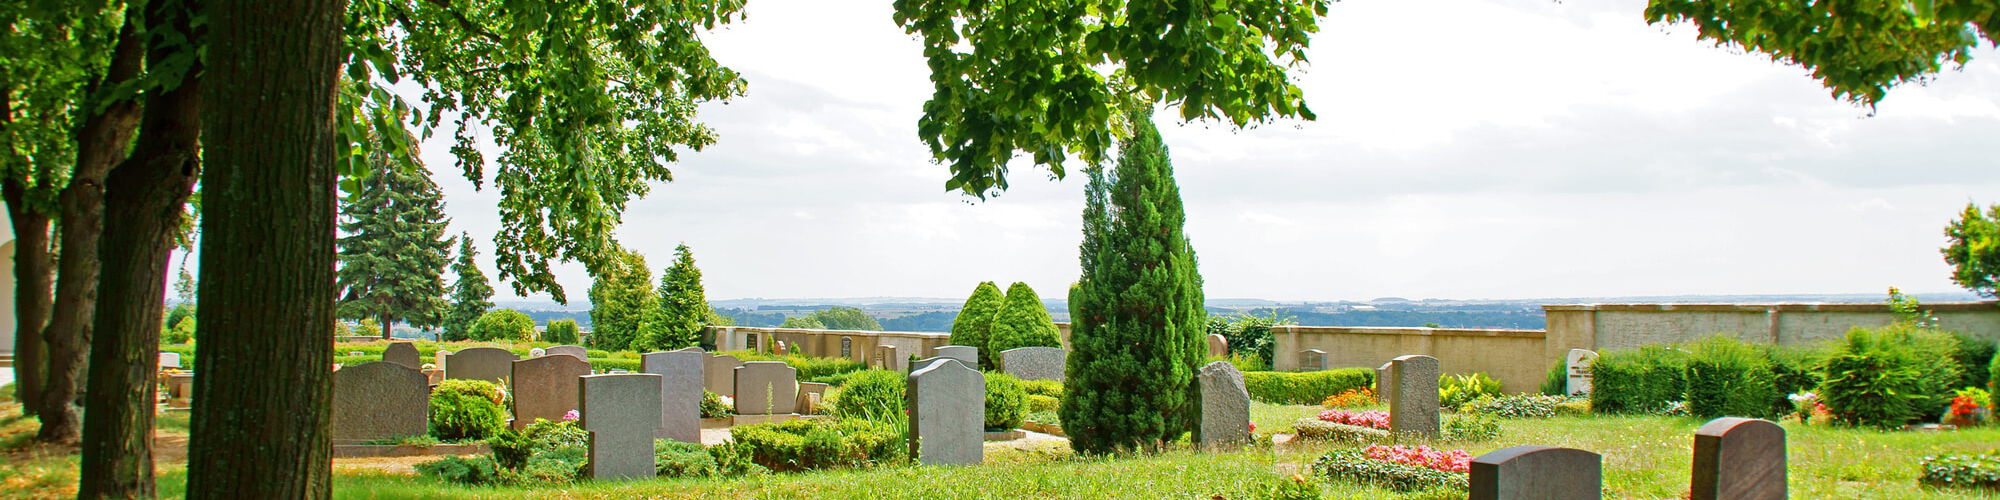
[1603, 327]
[1516, 357]
[825, 343]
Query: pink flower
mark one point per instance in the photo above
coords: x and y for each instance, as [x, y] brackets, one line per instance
[1372, 418]
[1422, 456]
[571, 416]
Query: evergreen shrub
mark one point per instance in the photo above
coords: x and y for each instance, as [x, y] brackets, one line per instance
[872, 395]
[1727, 377]
[467, 409]
[1889, 376]
[1006, 403]
[1642, 380]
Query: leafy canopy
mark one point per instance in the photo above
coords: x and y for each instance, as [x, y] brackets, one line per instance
[1973, 249]
[502, 324]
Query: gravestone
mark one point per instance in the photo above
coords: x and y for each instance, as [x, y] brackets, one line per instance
[170, 360]
[718, 374]
[925, 363]
[965, 353]
[434, 376]
[1537, 472]
[1312, 360]
[402, 353]
[810, 395]
[180, 390]
[622, 412]
[1578, 361]
[888, 357]
[1218, 346]
[490, 364]
[947, 405]
[680, 392]
[1739, 458]
[570, 350]
[537, 352]
[1225, 406]
[766, 388]
[847, 347]
[379, 400]
[1413, 395]
[545, 388]
[440, 356]
[779, 348]
[1382, 382]
[1034, 363]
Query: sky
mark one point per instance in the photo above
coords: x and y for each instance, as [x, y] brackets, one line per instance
[1464, 149]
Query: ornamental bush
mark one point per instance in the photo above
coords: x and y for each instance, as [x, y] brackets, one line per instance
[467, 409]
[713, 407]
[562, 331]
[872, 395]
[1455, 391]
[1021, 322]
[1993, 382]
[1038, 403]
[1305, 388]
[503, 324]
[1727, 377]
[1556, 381]
[1643, 380]
[974, 322]
[1889, 376]
[1320, 430]
[1006, 403]
[809, 367]
[820, 444]
[1050, 388]
[677, 459]
[1469, 427]
[473, 471]
[1974, 355]
[1515, 406]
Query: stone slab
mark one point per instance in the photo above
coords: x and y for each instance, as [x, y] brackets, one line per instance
[1578, 364]
[766, 388]
[719, 374]
[1413, 400]
[1312, 360]
[569, 350]
[1218, 346]
[545, 388]
[680, 392]
[170, 360]
[1739, 458]
[379, 400]
[1034, 363]
[490, 364]
[403, 353]
[1538, 473]
[1225, 406]
[947, 405]
[622, 412]
[965, 353]
[810, 395]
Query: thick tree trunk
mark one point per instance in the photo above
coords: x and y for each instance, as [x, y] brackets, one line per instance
[144, 197]
[387, 331]
[264, 369]
[100, 145]
[31, 295]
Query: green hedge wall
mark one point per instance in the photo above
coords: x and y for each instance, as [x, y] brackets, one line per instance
[1305, 388]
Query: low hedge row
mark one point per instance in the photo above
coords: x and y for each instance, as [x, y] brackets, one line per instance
[809, 367]
[820, 444]
[1305, 388]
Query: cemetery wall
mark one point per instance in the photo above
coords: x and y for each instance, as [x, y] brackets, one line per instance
[1603, 327]
[1518, 358]
[824, 343]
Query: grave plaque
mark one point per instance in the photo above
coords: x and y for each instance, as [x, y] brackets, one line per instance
[622, 413]
[402, 353]
[1225, 406]
[680, 392]
[719, 374]
[1413, 395]
[379, 400]
[1312, 360]
[578, 351]
[170, 360]
[947, 413]
[490, 364]
[1034, 363]
[766, 388]
[545, 388]
[1739, 458]
[1578, 361]
[965, 353]
[1218, 346]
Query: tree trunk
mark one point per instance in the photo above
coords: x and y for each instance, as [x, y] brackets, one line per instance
[264, 369]
[100, 145]
[144, 197]
[387, 332]
[31, 294]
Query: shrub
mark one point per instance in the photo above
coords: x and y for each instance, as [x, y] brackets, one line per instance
[1556, 381]
[809, 367]
[1305, 388]
[1793, 370]
[733, 459]
[1050, 388]
[1455, 391]
[1362, 396]
[1039, 403]
[872, 395]
[974, 322]
[1974, 355]
[1515, 406]
[1249, 337]
[608, 364]
[467, 409]
[1320, 430]
[1889, 376]
[713, 407]
[1354, 465]
[1962, 471]
[1022, 321]
[1637, 381]
[677, 459]
[468, 471]
[1469, 427]
[1993, 382]
[1728, 377]
[515, 448]
[562, 331]
[1006, 403]
[820, 444]
[1573, 407]
[503, 324]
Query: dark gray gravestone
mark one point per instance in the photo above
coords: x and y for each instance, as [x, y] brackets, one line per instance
[1537, 473]
[921, 364]
[1739, 459]
[545, 388]
[766, 388]
[402, 353]
[1413, 395]
[1034, 363]
[718, 374]
[379, 400]
[1312, 360]
[490, 364]
[621, 412]
[1225, 406]
[947, 413]
[680, 392]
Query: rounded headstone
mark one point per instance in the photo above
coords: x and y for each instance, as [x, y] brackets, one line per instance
[1739, 458]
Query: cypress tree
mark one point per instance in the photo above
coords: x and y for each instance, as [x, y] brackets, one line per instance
[683, 306]
[1021, 322]
[471, 296]
[621, 298]
[975, 320]
[1136, 313]
[393, 257]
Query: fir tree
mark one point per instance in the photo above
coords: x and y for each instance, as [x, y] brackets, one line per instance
[974, 323]
[621, 298]
[471, 296]
[683, 306]
[393, 256]
[1021, 322]
[1136, 315]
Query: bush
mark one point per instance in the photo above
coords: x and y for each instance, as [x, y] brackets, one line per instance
[1962, 471]
[1320, 430]
[809, 367]
[1889, 376]
[1637, 381]
[1022, 321]
[872, 395]
[1515, 406]
[1038, 403]
[503, 324]
[1574, 407]
[974, 322]
[1556, 381]
[733, 459]
[1974, 355]
[677, 459]
[820, 444]
[1354, 465]
[1351, 398]
[1793, 371]
[1455, 391]
[1727, 377]
[562, 331]
[1249, 336]
[1006, 403]
[473, 471]
[1305, 388]
[1050, 388]
[608, 364]
[713, 407]
[467, 409]
[1469, 427]
[1993, 382]
[515, 448]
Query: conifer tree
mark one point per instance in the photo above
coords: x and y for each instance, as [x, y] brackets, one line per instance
[562, 331]
[975, 320]
[1021, 322]
[683, 306]
[393, 257]
[471, 295]
[621, 298]
[1136, 314]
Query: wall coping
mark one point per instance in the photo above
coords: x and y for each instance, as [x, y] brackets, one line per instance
[1764, 308]
[814, 331]
[1434, 332]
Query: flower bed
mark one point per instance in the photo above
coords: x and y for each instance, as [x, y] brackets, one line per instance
[1359, 466]
[1962, 471]
[1321, 430]
[1374, 419]
[1424, 456]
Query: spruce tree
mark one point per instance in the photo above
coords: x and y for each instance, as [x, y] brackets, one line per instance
[471, 296]
[1136, 313]
[1021, 322]
[621, 298]
[393, 257]
[683, 306]
[975, 320]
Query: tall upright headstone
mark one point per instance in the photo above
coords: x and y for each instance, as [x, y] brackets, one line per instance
[888, 357]
[402, 353]
[680, 392]
[1384, 380]
[947, 414]
[1312, 360]
[545, 388]
[490, 364]
[1034, 363]
[766, 388]
[921, 364]
[1578, 363]
[1739, 458]
[379, 400]
[621, 412]
[1225, 406]
[1538, 473]
[1413, 395]
[719, 374]
[570, 350]
[1218, 346]
[966, 353]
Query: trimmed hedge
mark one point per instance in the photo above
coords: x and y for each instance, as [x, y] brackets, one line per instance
[1305, 388]
[1006, 403]
[467, 409]
[820, 444]
[871, 394]
[1644, 380]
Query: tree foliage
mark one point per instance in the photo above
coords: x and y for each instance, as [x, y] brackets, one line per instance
[393, 256]
[1136, 315]
[505, 325]
[471, 296]
[683, 307]
[620, 300]
[1972, 248]
[809, 321]
[974, 323]
[562, 331]
[1021, 322]
[846, 318]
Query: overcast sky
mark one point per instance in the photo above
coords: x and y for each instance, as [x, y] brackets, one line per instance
[1464, 149]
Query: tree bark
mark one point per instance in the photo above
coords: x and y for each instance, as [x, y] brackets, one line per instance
[144, 198]
[31, 294]
[386, 330]
[100, 145]
[264, 368]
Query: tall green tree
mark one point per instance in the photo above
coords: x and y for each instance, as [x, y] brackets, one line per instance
[974, 323]
[1136, 315]
[1022, 321]
[393, 256]
[683, 306]
[620, 300]
[846, 318]
[1972, 247]
[471, 296]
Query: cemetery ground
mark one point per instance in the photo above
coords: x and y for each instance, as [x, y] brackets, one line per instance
[1644, 457]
